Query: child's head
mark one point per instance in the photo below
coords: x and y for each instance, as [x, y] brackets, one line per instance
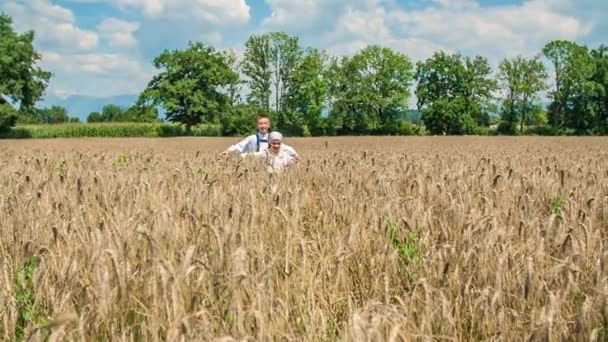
[263, 123]
[275, 139]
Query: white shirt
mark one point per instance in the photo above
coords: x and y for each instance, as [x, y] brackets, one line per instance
[249, 145]
[276, 162]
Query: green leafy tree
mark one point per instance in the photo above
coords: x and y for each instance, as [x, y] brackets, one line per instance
[308, 95]
[285, 55]
[54, 115]
[521, 81]
[454, 93]
[139, 114]
[240, 119]
[257, 67]
[347, 115]
[8, 116]
[386, 78]
[189, 85]
[572, 105]
[558, 52]
[21, 80]
[94, 117]
[477, 88]
[74, 120]
[269, 63]
[578, 90]
[600, 97]
[50, 115]
[111, 112]
[234, 89]
[370, 91]
[30, 118]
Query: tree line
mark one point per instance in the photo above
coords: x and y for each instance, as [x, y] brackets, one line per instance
[561, 90]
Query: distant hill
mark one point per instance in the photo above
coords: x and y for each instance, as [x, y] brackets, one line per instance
[80, 106]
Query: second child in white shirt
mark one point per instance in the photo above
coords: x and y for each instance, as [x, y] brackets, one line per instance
[257, 142]
[276, 157]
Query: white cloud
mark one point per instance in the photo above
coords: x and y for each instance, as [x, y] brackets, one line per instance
[217, 12]
[107, 74]
[457, 4]
[118, 32]
[84, 66]
[493, 32]
[91, 63]
[53, 24]
[450, 25]
[310, 14]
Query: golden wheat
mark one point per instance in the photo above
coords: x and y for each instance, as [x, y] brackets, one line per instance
[367, 239]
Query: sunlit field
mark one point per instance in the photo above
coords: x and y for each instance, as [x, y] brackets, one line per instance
[366, 239]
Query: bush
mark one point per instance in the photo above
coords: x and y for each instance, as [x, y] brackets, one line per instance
[8, 116]
[207, 130]
[421, 130]
[306, 131]
[75, 130]
[505, 128]
[485, 131]
[548, 131]
[406, 128]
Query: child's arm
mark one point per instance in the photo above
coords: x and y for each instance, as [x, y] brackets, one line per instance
[240, 147]
[289, 150]
[260, 155]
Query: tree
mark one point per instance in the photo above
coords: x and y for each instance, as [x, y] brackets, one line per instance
[557, 53]
[308, 94]
[269, 63]
[74, 120]
[240, 119]
[48, 116]
[189, 85]
[234, 89]
[346, 116]
[139, 114]
[21, 81]
[477, 88]
[574, 87]
[94, 117]
[521, 80]
[54, 115]
[454, 93]
[600, 97]
[257, 67]
[386, 77]
[285, 55]
[370, 91]
[111, 113]
[8, 116]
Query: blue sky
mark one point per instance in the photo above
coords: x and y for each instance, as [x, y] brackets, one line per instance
[105, 47]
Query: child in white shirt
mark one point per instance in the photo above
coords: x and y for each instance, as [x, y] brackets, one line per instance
[257, 142]
[277, 157]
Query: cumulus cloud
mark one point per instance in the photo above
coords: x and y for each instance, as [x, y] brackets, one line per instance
[218, 12]
[449, 25]
[118, 32]
[304, 15]
[107, 74]
[80, 65]
[343, 27]
[54, 25]
[495, 30]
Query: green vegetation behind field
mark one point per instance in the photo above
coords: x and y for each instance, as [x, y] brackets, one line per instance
[78, 130]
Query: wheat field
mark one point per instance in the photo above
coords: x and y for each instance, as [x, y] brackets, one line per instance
[366, 239]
